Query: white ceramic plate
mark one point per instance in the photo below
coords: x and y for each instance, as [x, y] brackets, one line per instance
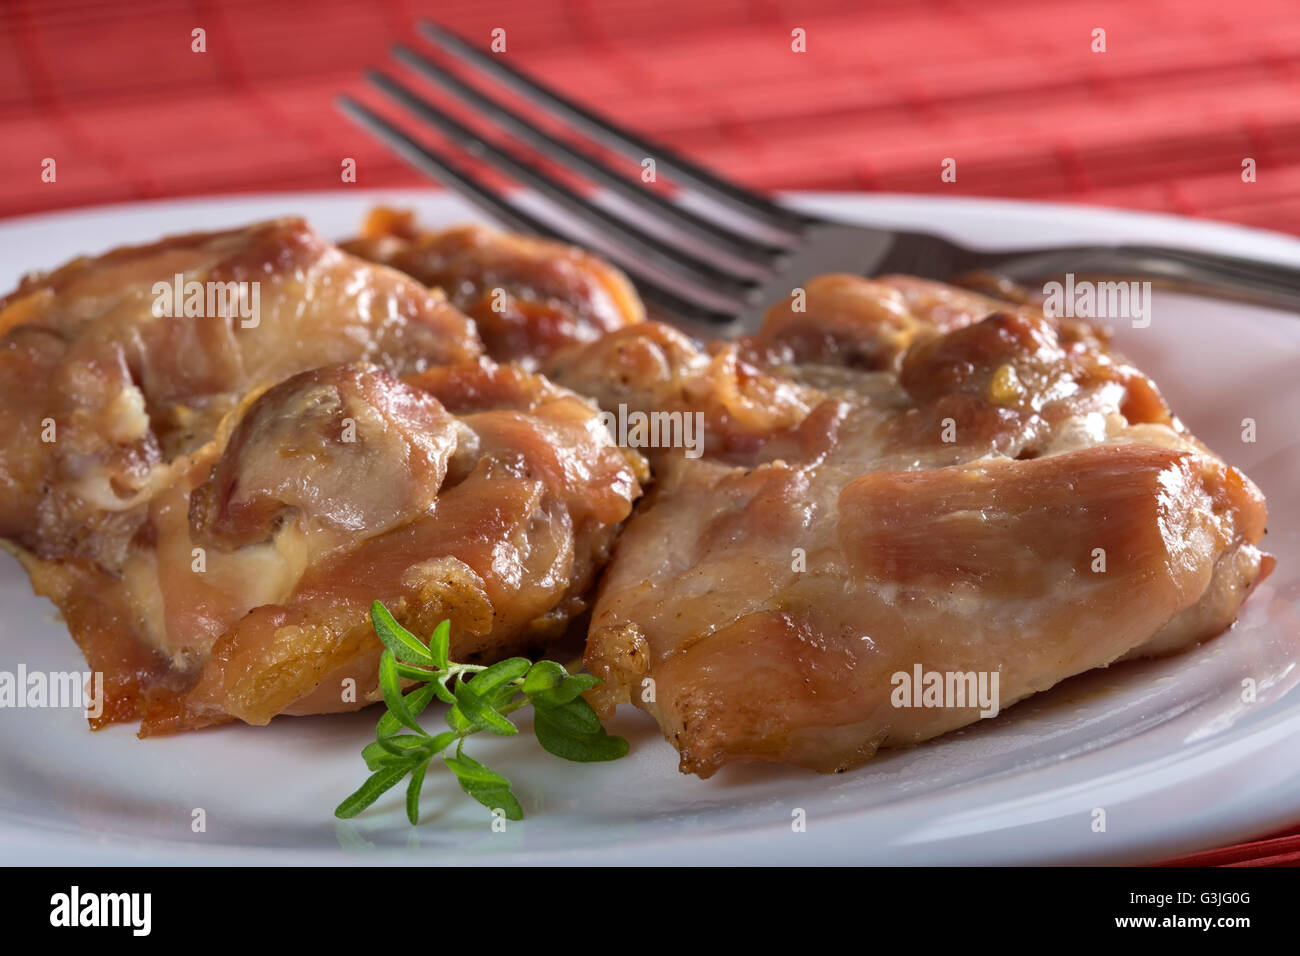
[1167, 748]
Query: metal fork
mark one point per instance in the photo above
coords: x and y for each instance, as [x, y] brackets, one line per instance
[723, 266]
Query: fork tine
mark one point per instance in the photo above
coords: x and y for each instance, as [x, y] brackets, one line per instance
[441, 169]
[509, 214]
[641, 244]
[601, 130]
[757, 253]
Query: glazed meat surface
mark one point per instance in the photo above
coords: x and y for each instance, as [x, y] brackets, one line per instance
[212, 491]
[530, 297]
[474, 492]
[101, 394]
[897, 476]
[905, 474]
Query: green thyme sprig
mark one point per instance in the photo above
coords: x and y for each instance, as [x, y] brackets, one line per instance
[481, 698]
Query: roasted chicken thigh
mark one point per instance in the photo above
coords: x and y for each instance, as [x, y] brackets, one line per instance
[104, 383]
[212, 500]
[895, 476]
[479, 493]
[904, 476]
[530, 297]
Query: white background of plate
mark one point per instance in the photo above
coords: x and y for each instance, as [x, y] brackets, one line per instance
[1165, 747]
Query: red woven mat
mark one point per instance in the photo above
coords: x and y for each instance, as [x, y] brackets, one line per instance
[1162, 120]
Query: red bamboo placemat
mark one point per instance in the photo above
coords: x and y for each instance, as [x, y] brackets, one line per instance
[1014, 91]
[1162, 120]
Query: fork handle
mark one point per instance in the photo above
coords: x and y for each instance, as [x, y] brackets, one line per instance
[1228, 277]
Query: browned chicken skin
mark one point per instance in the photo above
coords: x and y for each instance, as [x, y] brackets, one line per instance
[896, 474]
[530, 297]
[956, 483]
[478, 493]
[102, 394]
[219, 501]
